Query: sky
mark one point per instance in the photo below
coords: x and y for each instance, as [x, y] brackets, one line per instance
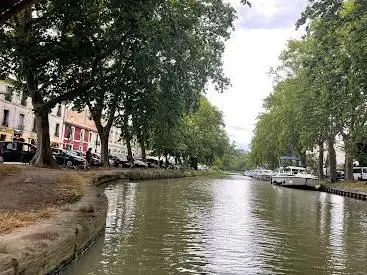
[261, 33]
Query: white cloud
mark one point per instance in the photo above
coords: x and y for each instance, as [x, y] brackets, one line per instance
[248, 57]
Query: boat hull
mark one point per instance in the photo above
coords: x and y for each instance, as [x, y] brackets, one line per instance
[295, 181]
[263, 177]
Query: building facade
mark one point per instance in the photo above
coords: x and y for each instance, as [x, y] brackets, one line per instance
[18, 120]
[68, 128]
[78, 130]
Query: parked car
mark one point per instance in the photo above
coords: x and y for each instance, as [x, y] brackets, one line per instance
[55, 150]
[152, 163]
[79, 153]
[140, 164]
[69, 158]
[360, 173]
[15, 151]
[96, 160]
[340, 175]
[120, 160]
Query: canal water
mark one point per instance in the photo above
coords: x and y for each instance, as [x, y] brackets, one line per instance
[227, 226]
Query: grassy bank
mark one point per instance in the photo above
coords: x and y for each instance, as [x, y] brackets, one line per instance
[346, 185]
[34, 193]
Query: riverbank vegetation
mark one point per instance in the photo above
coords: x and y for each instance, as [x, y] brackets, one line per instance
[320, 91]
[142, 66]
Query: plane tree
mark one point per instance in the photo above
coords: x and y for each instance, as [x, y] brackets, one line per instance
[45, 49]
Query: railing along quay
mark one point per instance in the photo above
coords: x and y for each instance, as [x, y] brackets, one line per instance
[346, 193]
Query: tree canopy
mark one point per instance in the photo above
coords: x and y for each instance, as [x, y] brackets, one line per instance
[321, 87]
[140, 65]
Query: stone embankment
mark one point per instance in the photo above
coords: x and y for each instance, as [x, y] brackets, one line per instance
[50, 244]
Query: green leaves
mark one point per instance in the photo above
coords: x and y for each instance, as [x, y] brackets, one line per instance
[321, 82]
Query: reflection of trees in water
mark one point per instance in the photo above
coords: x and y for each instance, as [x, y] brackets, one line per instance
[165, 235]
[355, 236]
[119, 222]
[291, 222]
[314, 232]
[221, 226]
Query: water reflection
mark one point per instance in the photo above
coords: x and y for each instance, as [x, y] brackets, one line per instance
[227, 226]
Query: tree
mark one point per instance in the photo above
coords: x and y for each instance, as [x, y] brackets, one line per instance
[44, 48]
[204, 136]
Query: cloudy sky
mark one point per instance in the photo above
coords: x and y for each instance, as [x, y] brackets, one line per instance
[261, 34]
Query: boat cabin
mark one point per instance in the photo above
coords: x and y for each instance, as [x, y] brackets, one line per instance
[293, 170]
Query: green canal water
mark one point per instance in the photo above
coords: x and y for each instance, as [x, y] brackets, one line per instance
[227, 226]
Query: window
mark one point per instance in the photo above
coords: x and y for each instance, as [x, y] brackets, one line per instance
[26, 148]
[364, 171]
[21, 122]
[57, 130]
[58, 110]
[2, 137]
[70, 132]
[90, 137]
[357, 170]
[81, 135]
[6, 118]
[11, 146]
[23, 100]
[9, 93]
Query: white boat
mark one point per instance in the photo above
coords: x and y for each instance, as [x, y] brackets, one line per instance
[264, 175]
[293, 176]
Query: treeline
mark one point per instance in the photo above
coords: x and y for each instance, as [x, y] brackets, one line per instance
[320, 91]
[140, 65]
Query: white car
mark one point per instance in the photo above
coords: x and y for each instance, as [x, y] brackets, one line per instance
[140, 163]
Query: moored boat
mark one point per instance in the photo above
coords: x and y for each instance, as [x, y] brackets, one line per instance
[293, 176]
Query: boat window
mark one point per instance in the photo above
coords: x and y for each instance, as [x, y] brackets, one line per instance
[357, 170]
[365, 170]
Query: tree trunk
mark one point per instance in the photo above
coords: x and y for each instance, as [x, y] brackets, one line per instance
[167, 163]
[304, 158]
[103, 131]
[127, 136]
[104, 148]
[43, 156]
[348, 167]
[321, 161]
[143, 150]
[128, 146]
[332, 159]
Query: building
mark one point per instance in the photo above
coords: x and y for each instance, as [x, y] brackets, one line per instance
[79, 132]
[18, 120]
[68, 128]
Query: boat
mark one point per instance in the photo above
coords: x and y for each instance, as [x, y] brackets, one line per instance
[259, 174]
[264, 174]
[297, 177]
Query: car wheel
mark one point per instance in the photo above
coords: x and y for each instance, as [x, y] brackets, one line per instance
[69, 164]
